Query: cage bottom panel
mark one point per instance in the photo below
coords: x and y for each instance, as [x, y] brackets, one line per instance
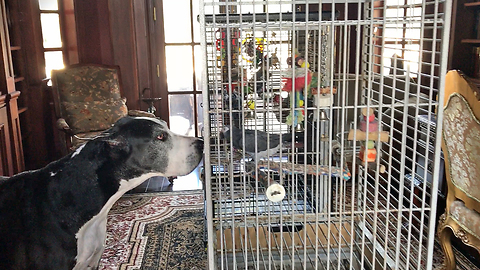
[310, 245]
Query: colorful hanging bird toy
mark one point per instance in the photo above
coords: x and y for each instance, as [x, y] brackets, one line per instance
[296, 78]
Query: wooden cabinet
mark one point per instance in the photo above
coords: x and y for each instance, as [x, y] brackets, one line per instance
[464, 51]
[6, 166]
[15, 132]
[11, 150]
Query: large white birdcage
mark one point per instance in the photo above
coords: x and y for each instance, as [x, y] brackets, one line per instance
[344, 95]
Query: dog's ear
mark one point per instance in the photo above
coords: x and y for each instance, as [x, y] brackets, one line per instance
[117, 146]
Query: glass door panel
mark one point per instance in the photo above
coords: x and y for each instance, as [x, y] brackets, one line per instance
[182, 115]
[182, 62]
[177, 21]
[179, 68]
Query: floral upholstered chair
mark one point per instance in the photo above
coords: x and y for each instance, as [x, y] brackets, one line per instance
[461, 147]
[88, 100]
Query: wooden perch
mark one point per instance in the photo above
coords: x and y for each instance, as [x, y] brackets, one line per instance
[311, 169]
[372, 166]
[324, 90]
[372, 136]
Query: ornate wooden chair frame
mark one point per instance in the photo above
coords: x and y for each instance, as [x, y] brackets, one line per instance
[463, 198]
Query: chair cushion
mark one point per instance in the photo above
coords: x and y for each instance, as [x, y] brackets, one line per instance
[461, 131]
[87, 83]
[91, 116]
[467, 218]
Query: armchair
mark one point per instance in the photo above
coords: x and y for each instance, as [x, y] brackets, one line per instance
[88, 100]
[461, 147]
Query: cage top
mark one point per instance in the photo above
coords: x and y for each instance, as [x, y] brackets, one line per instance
[269, 17]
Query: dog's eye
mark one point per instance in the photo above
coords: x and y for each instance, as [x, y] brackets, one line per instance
[162, 137]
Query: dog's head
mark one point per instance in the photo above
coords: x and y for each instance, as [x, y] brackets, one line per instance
[148, 146]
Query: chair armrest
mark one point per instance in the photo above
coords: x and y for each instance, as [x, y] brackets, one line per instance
[138, 113]
[63, 126]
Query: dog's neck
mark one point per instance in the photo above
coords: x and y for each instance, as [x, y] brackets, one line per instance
[86, 179]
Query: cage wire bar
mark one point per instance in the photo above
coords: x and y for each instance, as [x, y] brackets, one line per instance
[344, 95]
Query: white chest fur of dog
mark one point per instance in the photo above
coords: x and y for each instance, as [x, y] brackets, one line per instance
[91, 236]
[58, 214]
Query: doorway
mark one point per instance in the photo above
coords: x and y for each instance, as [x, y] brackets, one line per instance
[174, 34]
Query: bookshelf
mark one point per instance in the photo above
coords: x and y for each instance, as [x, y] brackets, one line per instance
[464, 53]
[12, 82]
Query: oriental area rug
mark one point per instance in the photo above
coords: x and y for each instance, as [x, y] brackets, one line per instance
[156, 231]
[166, 231]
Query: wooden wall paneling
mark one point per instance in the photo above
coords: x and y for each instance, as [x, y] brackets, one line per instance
[124, 49]
[142, 50]
[93, 31]
[69, 31]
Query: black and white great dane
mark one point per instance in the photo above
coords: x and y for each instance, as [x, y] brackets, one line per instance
[55, 217]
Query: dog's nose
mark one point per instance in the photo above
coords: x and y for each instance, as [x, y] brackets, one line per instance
[199, 145]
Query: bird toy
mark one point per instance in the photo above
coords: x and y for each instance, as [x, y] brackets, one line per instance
[295, 118]
[295, 79]
[367, 150]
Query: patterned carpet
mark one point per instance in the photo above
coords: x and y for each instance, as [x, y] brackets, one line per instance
[166, 231]
[156, 231]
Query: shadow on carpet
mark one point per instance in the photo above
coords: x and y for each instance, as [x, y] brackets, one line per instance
[166, 231]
